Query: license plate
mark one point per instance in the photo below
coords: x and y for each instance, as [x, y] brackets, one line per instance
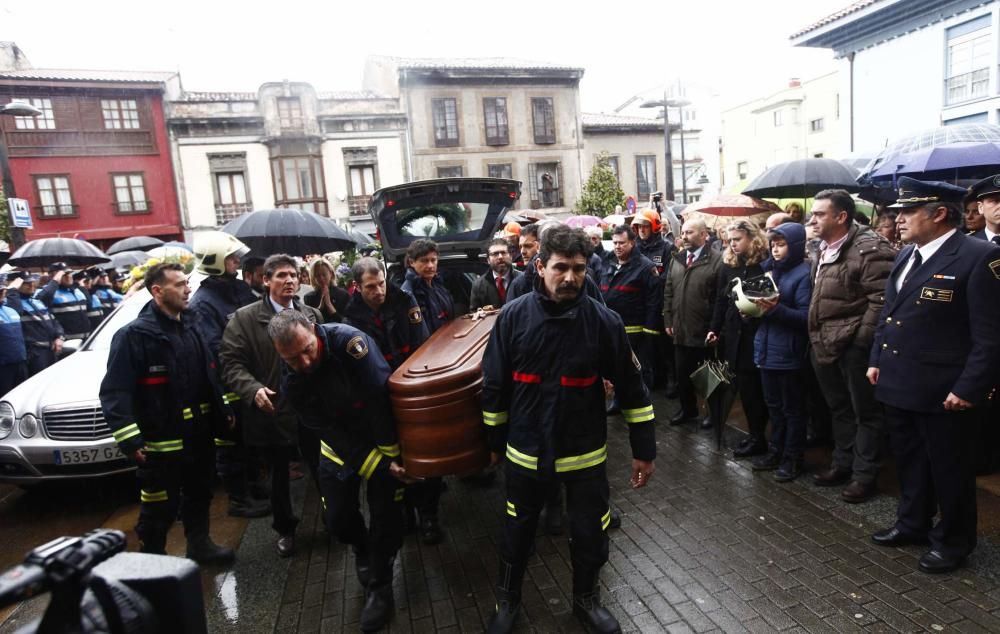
[87, 456]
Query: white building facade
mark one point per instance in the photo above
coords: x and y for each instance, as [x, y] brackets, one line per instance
[799, 121]
[909, 65]
[284, 146]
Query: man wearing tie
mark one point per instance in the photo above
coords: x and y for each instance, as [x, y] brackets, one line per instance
[987, 194]
[491, 287]
[931, 363]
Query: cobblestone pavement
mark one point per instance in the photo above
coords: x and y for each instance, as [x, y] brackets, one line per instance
[707, 546]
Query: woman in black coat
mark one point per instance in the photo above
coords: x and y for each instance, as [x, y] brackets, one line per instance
[746, 248]
[329, 299]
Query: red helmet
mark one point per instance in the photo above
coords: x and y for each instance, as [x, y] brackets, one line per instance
[644, 216]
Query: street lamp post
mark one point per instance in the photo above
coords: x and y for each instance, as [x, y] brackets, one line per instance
[667, 104]
[15, 109]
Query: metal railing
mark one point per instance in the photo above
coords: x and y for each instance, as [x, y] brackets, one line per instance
[225, 213]
[57, 211]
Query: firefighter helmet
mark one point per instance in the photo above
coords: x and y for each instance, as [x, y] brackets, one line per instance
[648, 216]
[213, 247]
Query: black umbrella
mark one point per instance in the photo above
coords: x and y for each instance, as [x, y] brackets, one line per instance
[361, 238]
[135, 243]
[291, 231]
[45, 251]
[803, 178]
[126, 260]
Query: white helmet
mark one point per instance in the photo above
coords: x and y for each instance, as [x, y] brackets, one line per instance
[213, 247]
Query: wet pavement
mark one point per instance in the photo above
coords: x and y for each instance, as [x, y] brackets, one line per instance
[707, 546]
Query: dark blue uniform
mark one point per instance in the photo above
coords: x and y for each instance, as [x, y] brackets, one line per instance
[543, 407]
[634, 290]
[69, 305]
[40, 330]
[526, 283]
[108, 297]
[938, 335]
[13, 356]
[435, 301]
[346, 400]
[398, 328]
[161, 393]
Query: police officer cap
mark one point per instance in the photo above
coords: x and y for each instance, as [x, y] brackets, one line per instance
[25, 275]
[989, 186]
[79, 275]
[914, 193]
[55, 267]
[95, 272]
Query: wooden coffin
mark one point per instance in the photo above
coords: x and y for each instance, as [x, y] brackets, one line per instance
[435, 397]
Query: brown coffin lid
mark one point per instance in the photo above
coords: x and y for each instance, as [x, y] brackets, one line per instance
[449, 362]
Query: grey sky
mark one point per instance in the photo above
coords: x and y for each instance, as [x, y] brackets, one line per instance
[627, 47]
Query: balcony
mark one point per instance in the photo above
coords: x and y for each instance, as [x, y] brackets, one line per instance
[225, 213]
[358, 205]
[966, 87]
[79, 142]
[129, 207]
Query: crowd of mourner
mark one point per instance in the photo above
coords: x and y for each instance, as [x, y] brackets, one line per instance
[874, 334]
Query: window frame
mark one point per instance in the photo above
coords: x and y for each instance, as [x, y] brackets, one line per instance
[317, 176]
[817, 125]
[460, 168]
[117, 204]
[548, 123]
[118, 120]
[47, 117]
[40, 214]
[448, 140]
[287, 119]
[651, 187]
[496, 108]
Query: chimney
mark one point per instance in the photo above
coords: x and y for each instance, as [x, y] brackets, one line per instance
[13, 58]
[794, 82]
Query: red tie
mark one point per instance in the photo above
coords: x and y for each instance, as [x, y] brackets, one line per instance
[690, 259]
[501, 290]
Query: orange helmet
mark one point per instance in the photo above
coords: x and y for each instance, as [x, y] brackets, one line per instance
[512, 229]
[648, 216]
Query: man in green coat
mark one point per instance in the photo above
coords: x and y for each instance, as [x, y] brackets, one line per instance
[252, 369]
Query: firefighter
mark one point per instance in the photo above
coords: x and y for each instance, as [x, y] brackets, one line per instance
[334, 377]
[632, 288]
[651, 243]
[543, 407]
[162, 399]
[43, 336]
[385, 313]
[67, 303]
[217, 255]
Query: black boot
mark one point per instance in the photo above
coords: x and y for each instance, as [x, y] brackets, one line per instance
[508, 598]
[379, 606]
[430, 530]
[203, 550]
[588, 609]
[248, 507]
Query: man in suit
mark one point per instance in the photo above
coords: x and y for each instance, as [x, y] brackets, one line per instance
[986, 193]
[935, 357]
[491, 287]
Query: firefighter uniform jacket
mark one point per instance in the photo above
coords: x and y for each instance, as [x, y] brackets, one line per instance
[40, 327]
[635, 292]
[346, 400]
[435, 301]
[149, 397]
[529, 280]
[543, 394]
[398, 329]
[657, 250]
[69, 306]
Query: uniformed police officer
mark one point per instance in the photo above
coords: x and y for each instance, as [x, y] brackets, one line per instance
[43, 336]
[100, 288]
[83, 280]
[935, 357]
[163, 401]
[334, 376]
[13, 355]
[543, 407]
[221, 294]
[67, 303]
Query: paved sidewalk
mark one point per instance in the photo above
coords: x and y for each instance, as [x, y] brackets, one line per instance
[708, 546]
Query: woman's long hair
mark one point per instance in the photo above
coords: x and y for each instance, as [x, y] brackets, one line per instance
[758, 244]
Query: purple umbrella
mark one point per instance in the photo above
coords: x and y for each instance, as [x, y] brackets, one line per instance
[579, 222]
[955, 156]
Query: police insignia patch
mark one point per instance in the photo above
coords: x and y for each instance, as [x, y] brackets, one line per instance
[995, 267]
[415, 316]
[357, 347]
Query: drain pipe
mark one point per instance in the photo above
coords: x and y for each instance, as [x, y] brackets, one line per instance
[850, 60]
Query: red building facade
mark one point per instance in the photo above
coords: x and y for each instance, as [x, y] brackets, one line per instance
[96, 164]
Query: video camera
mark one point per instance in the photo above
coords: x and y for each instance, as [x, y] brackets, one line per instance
[96, 587]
